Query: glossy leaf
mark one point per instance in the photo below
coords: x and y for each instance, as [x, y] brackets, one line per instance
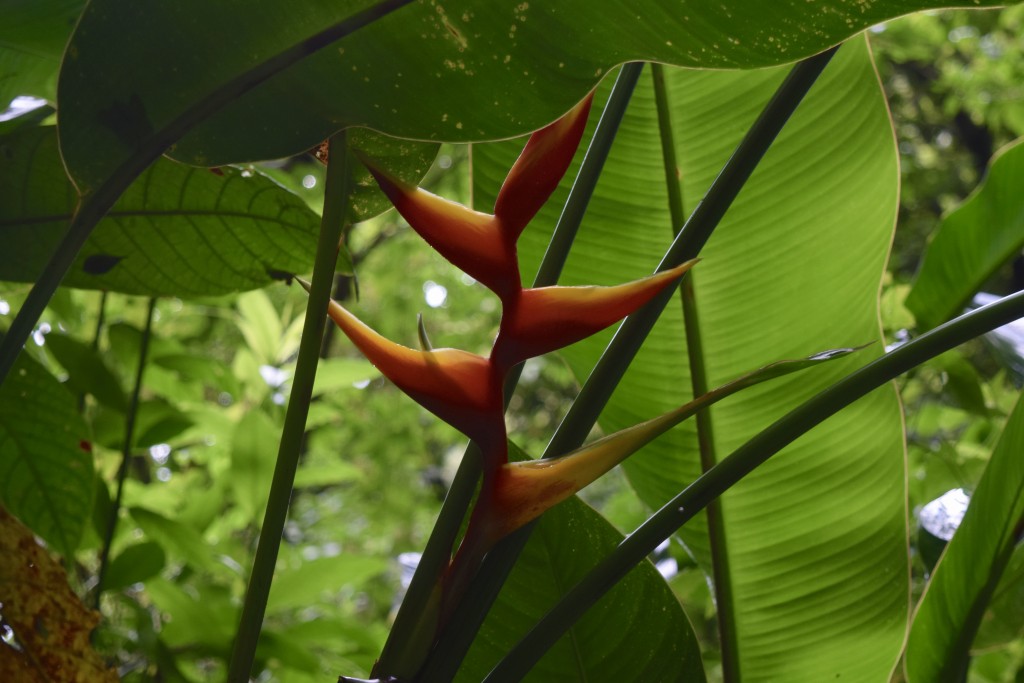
[253, 454]
[638, 632]
[485, 59]
[795, 264]
[46, 465]
[972, 242]
[951, 610]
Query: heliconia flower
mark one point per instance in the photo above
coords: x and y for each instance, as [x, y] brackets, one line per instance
[539, 169]
[471, 240]
[548, 318]
[459, 387]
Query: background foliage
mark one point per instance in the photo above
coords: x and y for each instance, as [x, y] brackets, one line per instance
[375, 467]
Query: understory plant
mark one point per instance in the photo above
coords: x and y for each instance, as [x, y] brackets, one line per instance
[735, 215]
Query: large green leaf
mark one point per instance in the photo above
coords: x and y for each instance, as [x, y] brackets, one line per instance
[452, 71]
[638, 632]
[46, 469]
[817, 537]
[32, 38]
[972, 242]
[966, 577]
[177, 230]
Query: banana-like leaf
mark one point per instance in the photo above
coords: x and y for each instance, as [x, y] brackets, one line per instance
[817, 537]
[966, 577]
[973, 241]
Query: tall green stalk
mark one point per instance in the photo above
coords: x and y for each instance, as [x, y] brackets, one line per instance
[755, 452]
[95, 205]
[619, 353]
[438, 550]
[721, 577]
[337, 190]
[126, 448]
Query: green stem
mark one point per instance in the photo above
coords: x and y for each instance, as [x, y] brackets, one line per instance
[337, 190]
[583, 413]
[739, 464]
[721, 576]
[96, 204]
[126, 449]
[469, 615]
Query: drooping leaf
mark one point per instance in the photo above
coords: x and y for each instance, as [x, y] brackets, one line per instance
[794, 265]
[972, 242]
[951, 610]
[452, 71]
[49, 626]
[46, 465]
[638, 632]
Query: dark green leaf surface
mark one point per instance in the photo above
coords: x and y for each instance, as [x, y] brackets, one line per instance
[177, 230]
[973, 241]
[32, 38]
[638, 632]
[46, 467]
[451, 71]
[794, 266]
[966, 577]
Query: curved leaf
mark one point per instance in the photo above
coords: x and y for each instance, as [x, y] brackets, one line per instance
[972, 242]
[452, 71]
[795, 264]
[951, 610]
[46, 468]
[638, 632]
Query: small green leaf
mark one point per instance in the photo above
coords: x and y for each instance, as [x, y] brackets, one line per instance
[316, 580]
[340, 374]
[135, 563]
[972, 242]
[46, 464]
[180, 539]
[87, 371]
